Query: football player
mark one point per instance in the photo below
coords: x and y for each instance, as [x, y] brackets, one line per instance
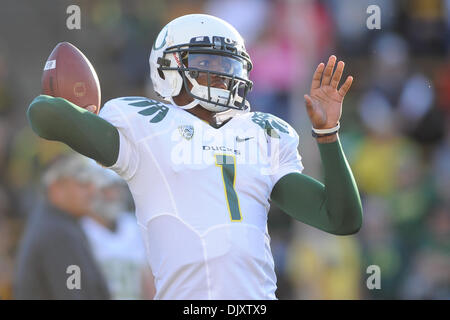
[202, 168]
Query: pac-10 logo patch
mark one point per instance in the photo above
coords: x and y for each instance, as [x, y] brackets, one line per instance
[186, 131]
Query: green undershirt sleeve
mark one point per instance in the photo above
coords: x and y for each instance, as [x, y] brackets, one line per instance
[60, 120]
[334, 207]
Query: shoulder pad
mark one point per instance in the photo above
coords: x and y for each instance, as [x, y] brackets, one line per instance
[271, 124]
[145, 106]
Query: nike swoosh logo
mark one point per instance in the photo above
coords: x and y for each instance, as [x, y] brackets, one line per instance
[243, 139]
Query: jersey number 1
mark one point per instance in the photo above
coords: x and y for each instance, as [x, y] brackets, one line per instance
[228, 165]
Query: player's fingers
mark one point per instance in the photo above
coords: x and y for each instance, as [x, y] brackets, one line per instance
[347, 84]
[91, 108]
[328, 70]
[317, 75]
[337, 74]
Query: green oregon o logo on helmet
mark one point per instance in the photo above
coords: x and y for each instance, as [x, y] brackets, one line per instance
[163, 40]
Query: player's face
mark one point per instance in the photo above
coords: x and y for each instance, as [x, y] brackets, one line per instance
[215, 63]
[78, 196]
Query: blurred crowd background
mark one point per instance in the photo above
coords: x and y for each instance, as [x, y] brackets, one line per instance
[395, 127]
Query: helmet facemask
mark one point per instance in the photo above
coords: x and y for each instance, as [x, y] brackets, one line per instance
[214, 75]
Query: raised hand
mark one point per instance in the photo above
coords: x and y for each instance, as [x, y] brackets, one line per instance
[324, 103]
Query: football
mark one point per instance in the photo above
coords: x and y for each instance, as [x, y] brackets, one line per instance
[69, 74]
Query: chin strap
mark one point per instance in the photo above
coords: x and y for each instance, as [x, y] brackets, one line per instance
[186, 107]
[225, 115]
[221, 112]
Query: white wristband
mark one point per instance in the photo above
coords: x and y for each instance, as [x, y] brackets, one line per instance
[325, 131]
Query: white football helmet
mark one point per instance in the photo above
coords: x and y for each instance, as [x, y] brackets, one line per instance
[202, 47]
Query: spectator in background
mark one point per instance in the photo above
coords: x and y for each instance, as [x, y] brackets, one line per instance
[389, 169]
[350, 23]
[425, 21]
[381, 247]
[381, 147]
[447, 24]
[441, 168]
[249, 25]
[390, 55]
[274, 74]
[428, 276]
[10, 229]
[54, 240]
[293, 39]
[408, 90]
[28, 156]
[442, 81]
[116, 241]
[324, 267]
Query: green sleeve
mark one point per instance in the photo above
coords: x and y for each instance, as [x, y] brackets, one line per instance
[334, 207]
[58, 119]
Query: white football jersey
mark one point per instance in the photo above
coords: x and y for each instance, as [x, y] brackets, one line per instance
[202, 195]
[120, 255]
